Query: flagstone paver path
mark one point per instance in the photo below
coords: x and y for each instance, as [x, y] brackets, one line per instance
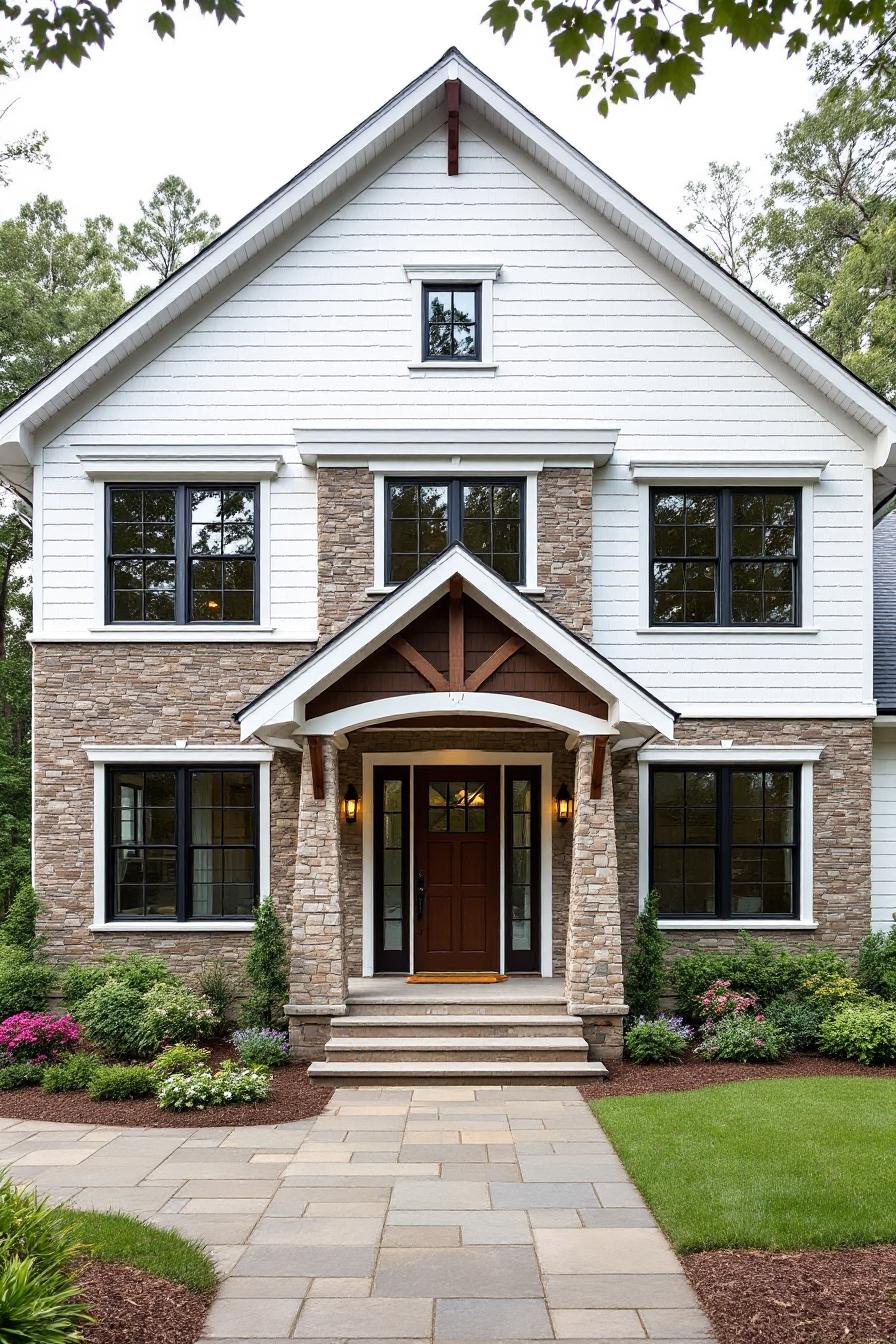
[446, 1214]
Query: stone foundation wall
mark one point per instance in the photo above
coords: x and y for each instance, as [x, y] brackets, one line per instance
[565, 556]
[841, 826]
[141, 694]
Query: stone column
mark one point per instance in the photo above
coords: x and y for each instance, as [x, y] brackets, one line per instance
[594, 940]
[317, 988]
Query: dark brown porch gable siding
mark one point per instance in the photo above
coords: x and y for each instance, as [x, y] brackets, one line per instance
[387, 672]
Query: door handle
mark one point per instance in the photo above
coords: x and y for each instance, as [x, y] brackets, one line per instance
[419, 896]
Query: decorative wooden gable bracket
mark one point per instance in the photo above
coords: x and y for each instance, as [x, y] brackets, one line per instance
[452, 88]
[316, 756]
[597, 766]
[456, 681]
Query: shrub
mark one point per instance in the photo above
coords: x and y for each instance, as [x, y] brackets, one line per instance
[261, 1045]
[19, 928]
[865, 1032]
[78, 981]
[720, 1000]
[25, 984]
[827, 993]
[222, 987]
[120, 1082]
[36, 1038]
[175, 1014]
[877, 963]
[178, 1059]
[267, 970]
[196, 1091]
[20, 1075]
[661, 1040]
[110, 1015]
[757, 966]
[134, 970]
[38, 1300]
[798, 1022]
[645, 976]
[741, 1038]
[71, 1075]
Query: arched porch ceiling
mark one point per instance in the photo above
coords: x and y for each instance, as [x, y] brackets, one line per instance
[596, 697]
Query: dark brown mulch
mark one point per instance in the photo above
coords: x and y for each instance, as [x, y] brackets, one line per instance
[130, 1306]
[628, 1079]
[798, 1297]
[293, 1097]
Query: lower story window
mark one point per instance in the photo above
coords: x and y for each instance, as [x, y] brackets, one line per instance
[724, 841]
[183, 843]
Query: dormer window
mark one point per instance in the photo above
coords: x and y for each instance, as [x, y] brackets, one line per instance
[452, 322]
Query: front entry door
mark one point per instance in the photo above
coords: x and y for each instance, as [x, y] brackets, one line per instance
[456, 878]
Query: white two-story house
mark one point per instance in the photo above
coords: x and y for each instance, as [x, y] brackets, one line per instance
[454, 552]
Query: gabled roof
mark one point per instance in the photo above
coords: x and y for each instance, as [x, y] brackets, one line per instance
[281, 708]
[421, 101]
[885, 614]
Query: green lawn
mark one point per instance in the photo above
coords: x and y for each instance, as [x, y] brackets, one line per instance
[125, 1240]
[795, 1162]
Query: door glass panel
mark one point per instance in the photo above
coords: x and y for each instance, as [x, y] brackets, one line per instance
[392, 874]
[521, 865]
[457, 805]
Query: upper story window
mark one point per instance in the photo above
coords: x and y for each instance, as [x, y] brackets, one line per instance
[452, 322]
[724, 841]
[182, 554]
[724, 557]
[423, 517]
[183, 843]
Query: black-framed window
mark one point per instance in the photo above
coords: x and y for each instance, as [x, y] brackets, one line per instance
[452, 320]
[724, 841]
[182, 842]
[724, 557]
[522, 867]
[182, 554]
[391, 865]
[424, 516]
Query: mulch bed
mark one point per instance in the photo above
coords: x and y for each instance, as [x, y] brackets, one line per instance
[629, 1080]
[130, 1306]
[293, 1097]
[798, 1297]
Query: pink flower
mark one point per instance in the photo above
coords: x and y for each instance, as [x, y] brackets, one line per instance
[36, 1038]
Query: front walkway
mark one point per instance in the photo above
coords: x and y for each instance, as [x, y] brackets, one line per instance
[453, 1214]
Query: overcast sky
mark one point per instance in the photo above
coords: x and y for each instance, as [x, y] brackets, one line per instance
[236, 111]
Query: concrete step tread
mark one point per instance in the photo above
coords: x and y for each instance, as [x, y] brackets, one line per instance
[475, 1043]
[437, 1019]
[426, 1001]
[471, 1068]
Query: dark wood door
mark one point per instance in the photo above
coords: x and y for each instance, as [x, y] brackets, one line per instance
[456, 879]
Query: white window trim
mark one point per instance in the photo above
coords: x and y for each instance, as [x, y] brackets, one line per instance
[164, 631]
[456, 467]
[457, 273]
[804, 756]
[102, 757]
[805, 559]
[501, 758]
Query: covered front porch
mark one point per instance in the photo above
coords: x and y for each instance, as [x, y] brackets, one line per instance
[456, 810]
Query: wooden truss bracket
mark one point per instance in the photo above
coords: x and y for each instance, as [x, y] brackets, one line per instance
[597, 766]
[316, 757]
[420, 663]
[452, 88]
[493, 662]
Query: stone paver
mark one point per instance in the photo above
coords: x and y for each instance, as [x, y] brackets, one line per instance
[446, 1214]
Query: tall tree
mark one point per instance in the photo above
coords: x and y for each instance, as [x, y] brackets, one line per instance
[15, 706]
[27, 148]
[172, 223]
[58, 287]
[724, 219]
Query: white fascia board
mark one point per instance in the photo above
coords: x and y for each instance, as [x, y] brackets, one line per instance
[138, 753]
[747, 471]
[795, 754]
[141, 463]
[392, 615]
[374, 448]
[457, 702]
[466, 269]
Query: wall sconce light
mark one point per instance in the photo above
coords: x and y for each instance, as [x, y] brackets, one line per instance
[564, 805]
[350, 804]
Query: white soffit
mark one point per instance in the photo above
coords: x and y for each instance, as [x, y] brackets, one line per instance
[382, 449]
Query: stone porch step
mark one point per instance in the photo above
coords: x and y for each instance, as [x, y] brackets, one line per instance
[455, 1023]
[374, 1073]
[412, 1049]
[409, 1004]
